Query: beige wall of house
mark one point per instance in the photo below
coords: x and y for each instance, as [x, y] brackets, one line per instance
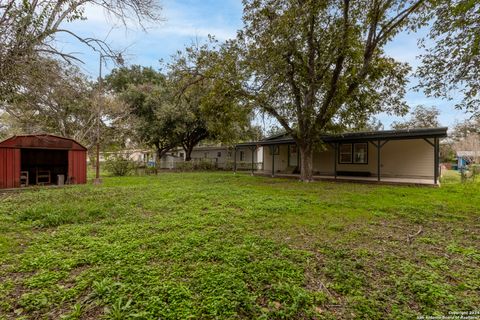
[323, 161]
[408, 158]
[413, 158]
[281, 159]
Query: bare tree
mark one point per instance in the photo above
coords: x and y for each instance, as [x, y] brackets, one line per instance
[29, 28]
[420, 117]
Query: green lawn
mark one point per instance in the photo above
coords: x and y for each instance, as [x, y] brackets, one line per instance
[224, 246]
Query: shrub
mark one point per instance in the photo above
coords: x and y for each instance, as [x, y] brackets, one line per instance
[475, 169]
[119, 166]
[193, 165]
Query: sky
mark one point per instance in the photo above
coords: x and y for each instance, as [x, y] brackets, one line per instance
[187, 21]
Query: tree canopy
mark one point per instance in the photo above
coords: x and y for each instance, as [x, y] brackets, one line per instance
[29, 29]
[420, 117]
[450, 67]
[319, 66]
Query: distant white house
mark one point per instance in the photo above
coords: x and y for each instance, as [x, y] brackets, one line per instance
[223, 156]
[138, 155]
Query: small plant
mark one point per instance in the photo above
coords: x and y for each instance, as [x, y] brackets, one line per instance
[463, 174]
[475, 171]
[118, 166]
[200, 165]
[76, 312]
[119, 310]
[101, 288]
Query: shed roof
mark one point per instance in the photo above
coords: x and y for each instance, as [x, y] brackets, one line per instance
[41, 141]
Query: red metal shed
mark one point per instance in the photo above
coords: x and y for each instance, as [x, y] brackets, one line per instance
[41, 159]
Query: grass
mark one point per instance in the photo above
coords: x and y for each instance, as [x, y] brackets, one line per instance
[223, 246]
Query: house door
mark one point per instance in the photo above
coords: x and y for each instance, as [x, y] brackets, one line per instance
[292, 155]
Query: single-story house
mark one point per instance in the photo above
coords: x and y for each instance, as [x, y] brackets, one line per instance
[390, 156]
[41, 159]
[137, 155]
[223, 156]
[464, 158]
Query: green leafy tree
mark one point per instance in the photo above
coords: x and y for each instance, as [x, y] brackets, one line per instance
[420, 117]
[319, 66]
[451, 66]
[56, 98]
[154, 119]
[210, 110]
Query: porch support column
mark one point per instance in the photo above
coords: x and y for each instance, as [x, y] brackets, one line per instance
[436, 164]
[254, 148]
[298, 157]
[379, 147]
[272, 149]
[436, 160]
[335, 150]
[235, 160]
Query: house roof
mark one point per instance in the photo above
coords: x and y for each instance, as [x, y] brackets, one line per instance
[206, 148]
[440, 132]
[41, 141]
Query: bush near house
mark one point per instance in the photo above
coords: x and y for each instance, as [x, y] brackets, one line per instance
[118, 166]
[196, 165]
[222, 246]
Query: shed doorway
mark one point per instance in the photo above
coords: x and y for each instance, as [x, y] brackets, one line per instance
[43, 166]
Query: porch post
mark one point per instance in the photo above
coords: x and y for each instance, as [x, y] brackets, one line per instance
[436, 159]
[272, 148]
[253, 152]
[235, 161]
[298, 157]
[335, 150]
[379, 146]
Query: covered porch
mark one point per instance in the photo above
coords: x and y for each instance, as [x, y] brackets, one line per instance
[387, 157]
[374, 180]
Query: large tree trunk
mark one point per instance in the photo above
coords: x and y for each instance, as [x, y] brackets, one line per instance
[160, 153]
[188, 152]
[306, 161]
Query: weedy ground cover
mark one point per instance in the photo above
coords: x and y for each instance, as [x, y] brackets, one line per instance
[222, 246]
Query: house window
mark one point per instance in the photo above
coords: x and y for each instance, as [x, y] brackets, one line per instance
[181, 154]
[360, 153]
[219, 154]
[345, 153]
[242, 155]
[275, 149]
[353, 153]
[293, 148]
